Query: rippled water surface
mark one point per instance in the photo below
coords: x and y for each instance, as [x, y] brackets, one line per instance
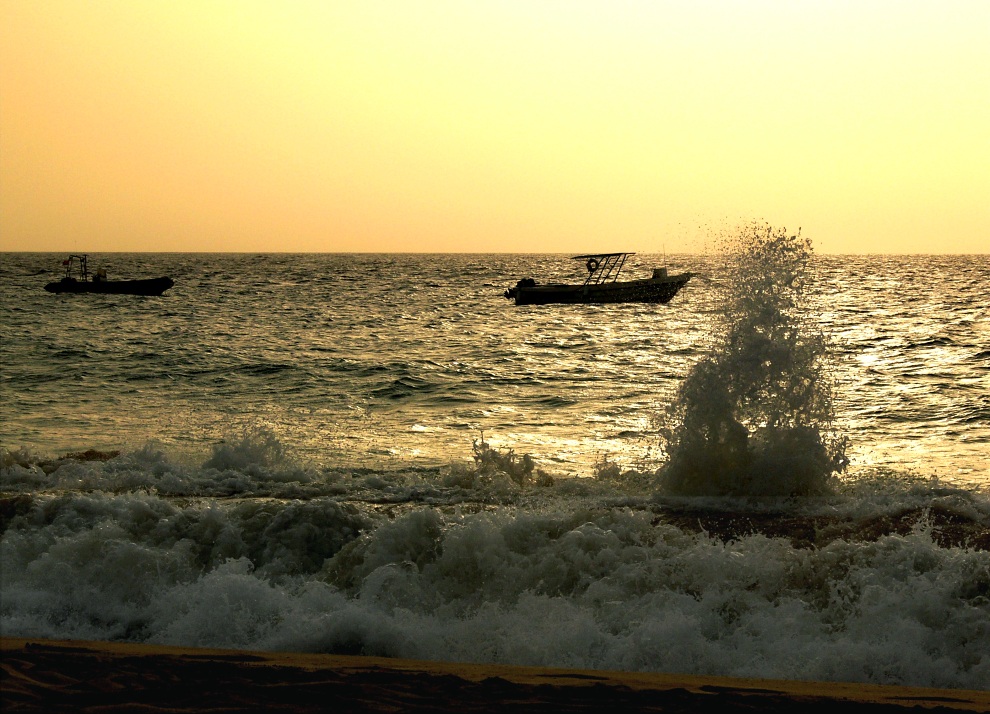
[362, 358]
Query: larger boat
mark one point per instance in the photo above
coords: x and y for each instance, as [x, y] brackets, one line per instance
[99, 283]
[602, 285]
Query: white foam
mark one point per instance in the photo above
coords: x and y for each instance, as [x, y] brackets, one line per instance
[469, 565]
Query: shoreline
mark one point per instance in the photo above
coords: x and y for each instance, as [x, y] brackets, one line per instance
[56, 675]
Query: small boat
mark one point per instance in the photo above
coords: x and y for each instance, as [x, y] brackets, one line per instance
[601, 285]
[100, 284]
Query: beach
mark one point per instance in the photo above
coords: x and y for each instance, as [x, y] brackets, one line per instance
[48, 675]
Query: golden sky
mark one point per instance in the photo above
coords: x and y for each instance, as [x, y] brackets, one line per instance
[492, 126]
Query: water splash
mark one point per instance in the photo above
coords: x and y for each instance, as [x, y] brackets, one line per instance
[754, 417]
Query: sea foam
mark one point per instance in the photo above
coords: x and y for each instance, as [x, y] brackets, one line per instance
[578, 572]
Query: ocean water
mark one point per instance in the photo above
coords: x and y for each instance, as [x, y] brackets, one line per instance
[379, 454]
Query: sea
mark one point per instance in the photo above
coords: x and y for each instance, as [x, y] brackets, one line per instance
[782, 473]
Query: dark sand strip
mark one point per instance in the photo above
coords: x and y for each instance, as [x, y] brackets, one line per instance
[40, 675]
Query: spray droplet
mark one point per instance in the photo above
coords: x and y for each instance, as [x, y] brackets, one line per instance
[754, 417]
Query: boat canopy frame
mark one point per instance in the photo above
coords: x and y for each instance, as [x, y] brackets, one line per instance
[83, 270]
[603, 267]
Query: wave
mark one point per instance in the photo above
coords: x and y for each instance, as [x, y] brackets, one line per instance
[754, 416]
[885, 580]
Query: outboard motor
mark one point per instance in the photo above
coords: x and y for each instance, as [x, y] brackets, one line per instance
[524, 283]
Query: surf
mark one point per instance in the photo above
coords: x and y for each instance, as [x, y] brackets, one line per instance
[754, 417]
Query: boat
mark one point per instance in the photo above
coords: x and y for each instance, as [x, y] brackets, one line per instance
[602, 285]
[99, 283]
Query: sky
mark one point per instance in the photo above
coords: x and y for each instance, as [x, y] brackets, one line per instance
[509, 126]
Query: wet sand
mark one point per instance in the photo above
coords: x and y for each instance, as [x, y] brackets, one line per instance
[40, 675]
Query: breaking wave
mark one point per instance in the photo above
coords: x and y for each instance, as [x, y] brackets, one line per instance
[754, 417]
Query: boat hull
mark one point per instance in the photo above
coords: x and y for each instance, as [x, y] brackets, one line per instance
[653, 290]
[150, 286]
